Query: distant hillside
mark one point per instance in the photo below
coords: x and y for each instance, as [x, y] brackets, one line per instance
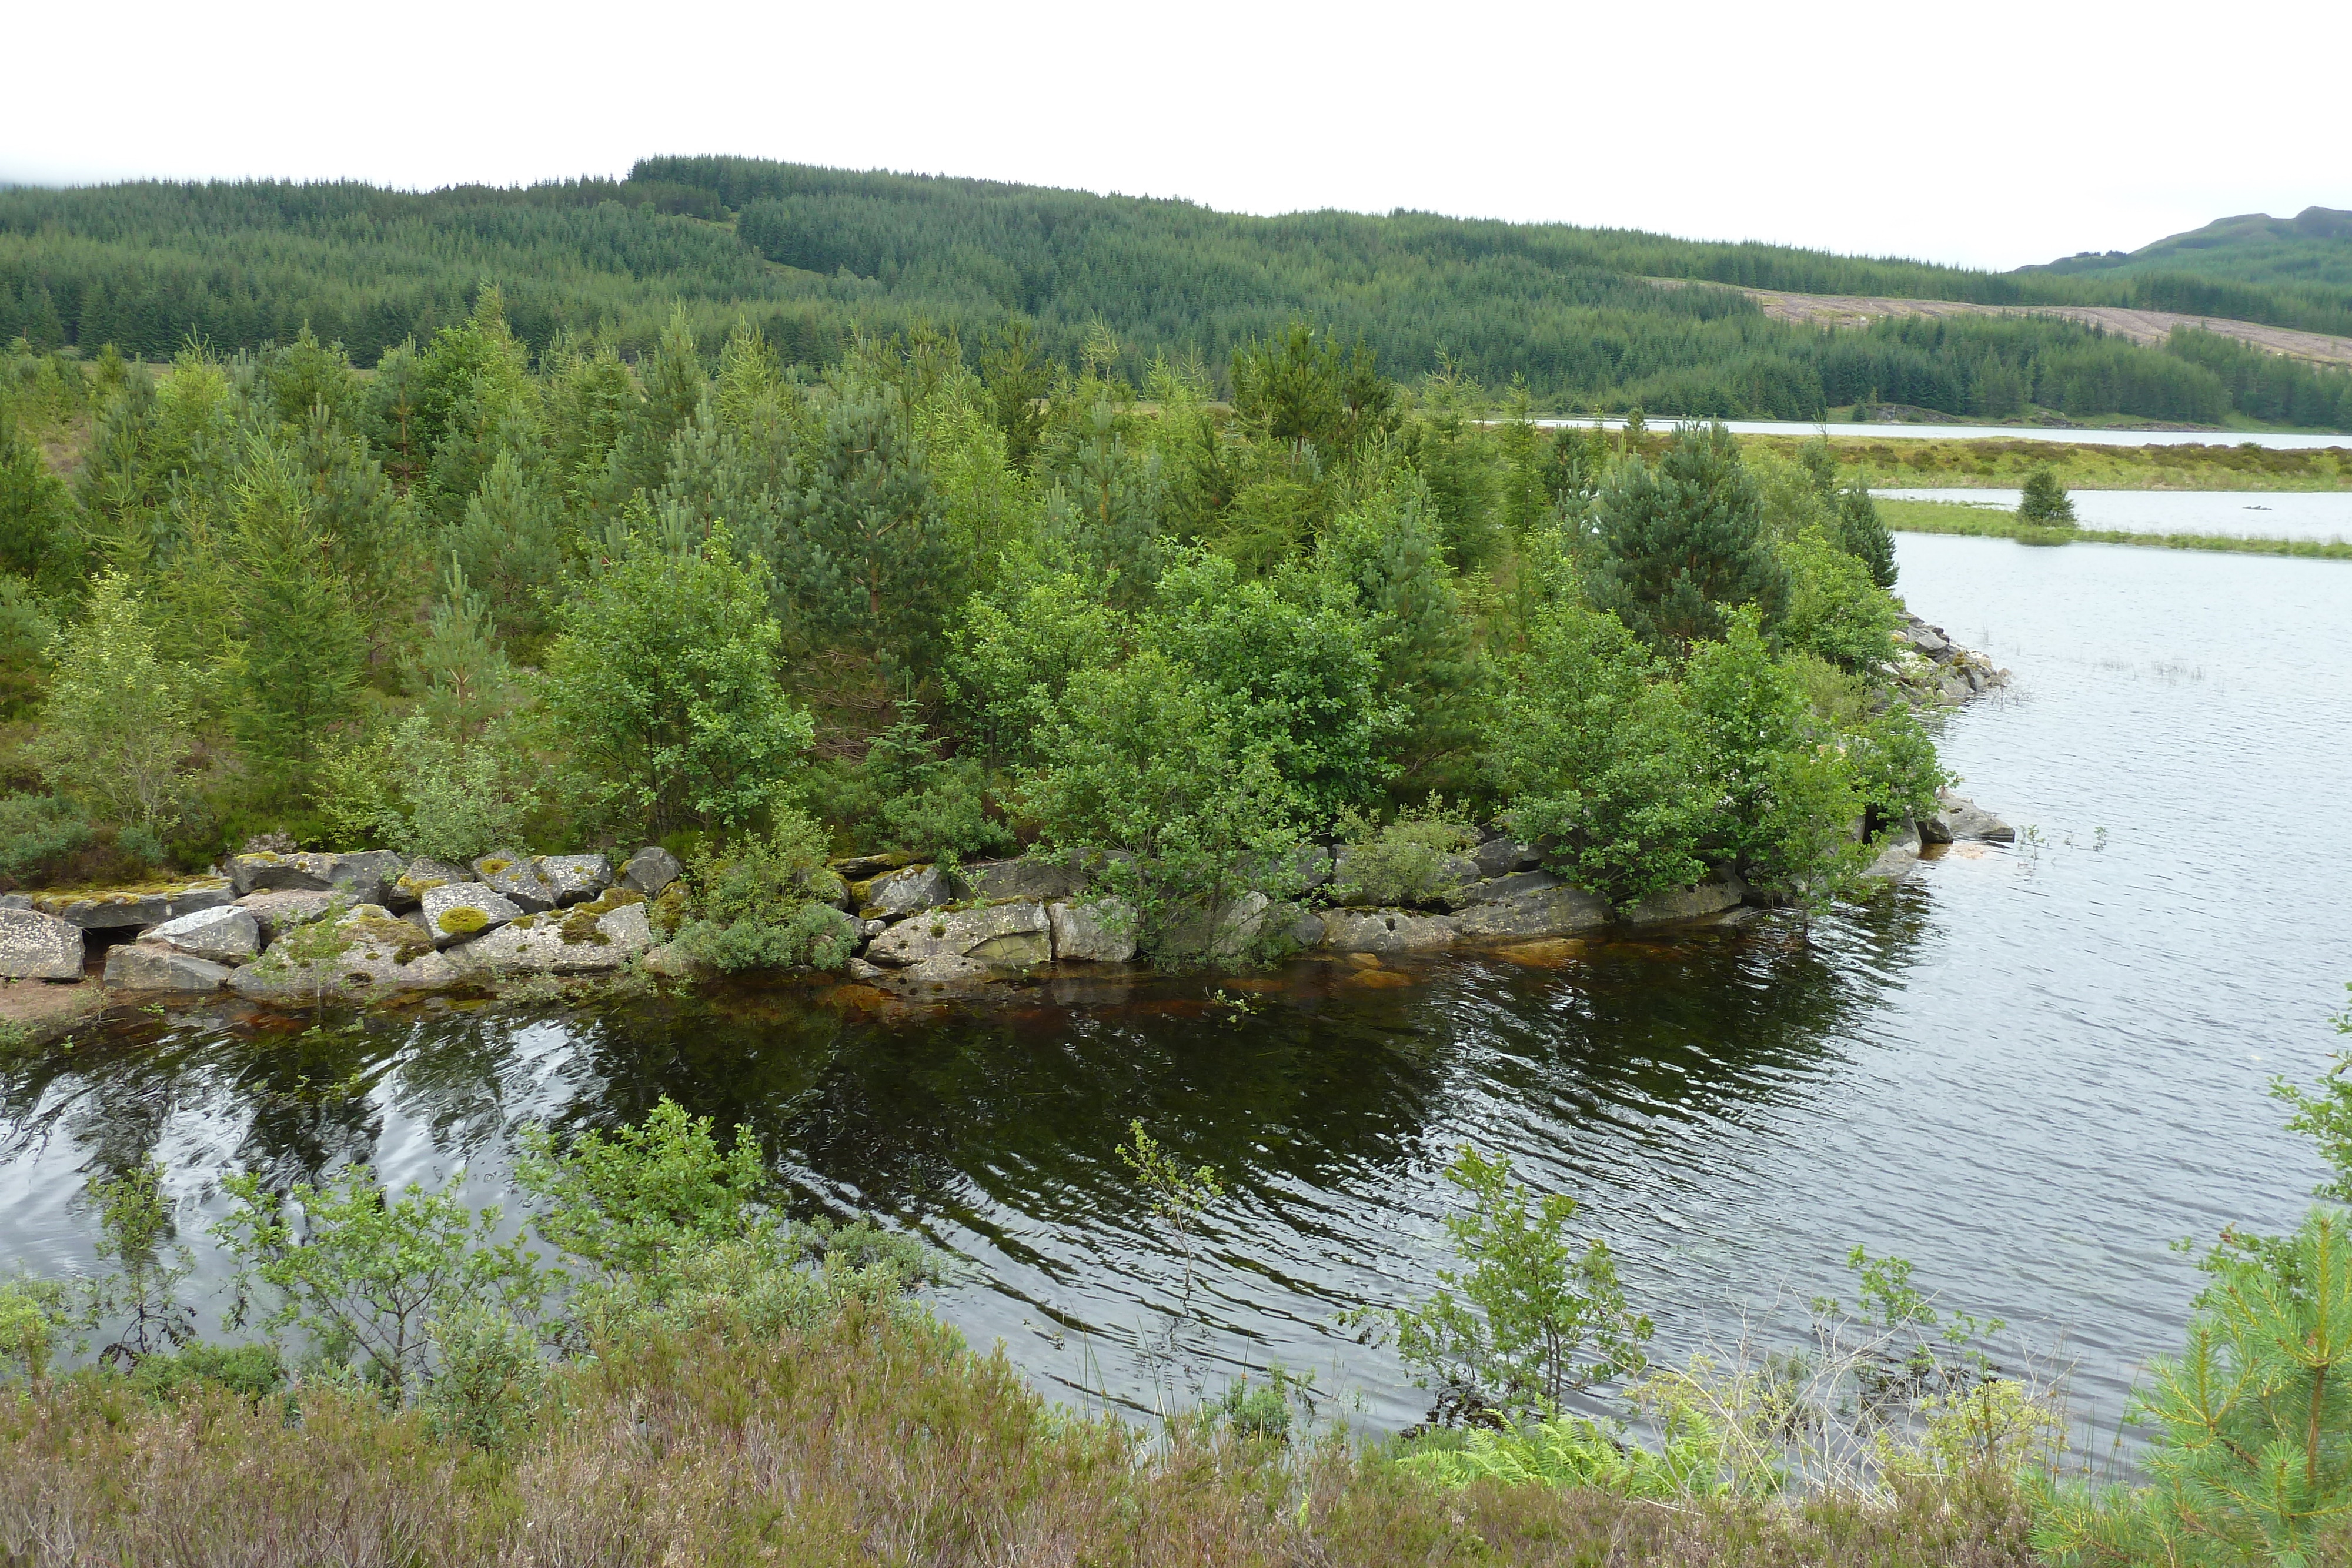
[2306, 258]
[813, 256]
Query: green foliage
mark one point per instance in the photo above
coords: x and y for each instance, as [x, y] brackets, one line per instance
[1406, 859]
[1527, 1319]
[1683, 541]
[450, 797]
[2251, 1462]
[2325, 1115]
[134, 1230]
[766, 904]
[1012, 655]
[362, 1272]
[663, 682]
[253, 1371]
[928, 806]
[1301, 385]
[486, 1391]
[1572, 1451]
[1177, 1197]
[644, 1200]
[115, 731]
[37, 1319]
[1835, 611]
[2044, 501]
[1144, 761]
[295, 669]
[1599, 759]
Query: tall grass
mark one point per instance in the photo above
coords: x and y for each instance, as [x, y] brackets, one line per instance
[1986, 522]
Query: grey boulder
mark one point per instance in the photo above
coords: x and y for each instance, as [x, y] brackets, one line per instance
[1010, 935]
[268, 873]
[462, 911]
[1721, 892]
[225, 936]
[1100, 931]
[651, 870]
[1502, 856]
[1388, 931]
[141, 966]
[1032, 877]
[1960, 819]
[576, 879]
[37, 946]
[1535, 905]
[278, 912]
[515, 877]
[905, 891]
[579, 943]
[365, 876]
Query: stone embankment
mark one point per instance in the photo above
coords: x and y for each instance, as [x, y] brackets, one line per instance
[298, 928]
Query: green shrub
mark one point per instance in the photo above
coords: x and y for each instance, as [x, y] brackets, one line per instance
[766, 904]
[489, 1381]
[2044, 503]
[1405, 859]
[251, 1371]
[47, 841]
[1835, 611]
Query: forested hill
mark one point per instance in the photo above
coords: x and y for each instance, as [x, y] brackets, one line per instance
[813, 256]
[2306, 257]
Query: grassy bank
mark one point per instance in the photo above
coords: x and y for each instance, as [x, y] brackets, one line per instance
[868, 1435]
[1986, 522]
[2003, 465]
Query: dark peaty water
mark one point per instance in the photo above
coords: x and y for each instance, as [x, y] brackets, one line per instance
[2029, 1073]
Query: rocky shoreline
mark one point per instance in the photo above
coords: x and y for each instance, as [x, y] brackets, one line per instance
[296, 930]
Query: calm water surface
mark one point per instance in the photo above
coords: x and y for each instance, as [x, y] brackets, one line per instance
[2275, 441]
[2263, 514]
[2030, 1071]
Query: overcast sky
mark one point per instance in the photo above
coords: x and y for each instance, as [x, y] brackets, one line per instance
[1991, 134]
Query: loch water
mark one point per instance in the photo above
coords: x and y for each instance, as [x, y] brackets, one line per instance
[2030, 1071]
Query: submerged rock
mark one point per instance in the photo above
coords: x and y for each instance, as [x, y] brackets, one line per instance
[225, 936]
[37, 946]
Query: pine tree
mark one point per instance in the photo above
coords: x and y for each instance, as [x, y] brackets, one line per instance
[466, 682]
[295, 671]
[865, 558]
[1683, 538]
[511, 546]
[675, 385]
[114, 731]
[2045, 504]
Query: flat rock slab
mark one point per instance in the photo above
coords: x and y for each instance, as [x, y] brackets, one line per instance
[109, 909]
[1032, 877]
[359, 971]
[146, 966]
[1388, 931]
[1714, 896]
[515, 877]
[278, 912]
[576, 879]
[1010, 935]
[945, 972]
[1962, 820]
[225, 936]
[464, 911]
[1551, 908]
[37, 946]
[578, 943]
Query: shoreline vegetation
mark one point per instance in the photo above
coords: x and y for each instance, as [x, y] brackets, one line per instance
[1990, 522]
[659, 1364]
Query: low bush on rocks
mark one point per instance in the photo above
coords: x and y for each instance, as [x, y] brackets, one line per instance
[768, 902]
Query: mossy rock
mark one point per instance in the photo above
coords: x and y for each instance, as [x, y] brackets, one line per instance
[492, 867]
[463, 920]
[403, 940]
[414, 888]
